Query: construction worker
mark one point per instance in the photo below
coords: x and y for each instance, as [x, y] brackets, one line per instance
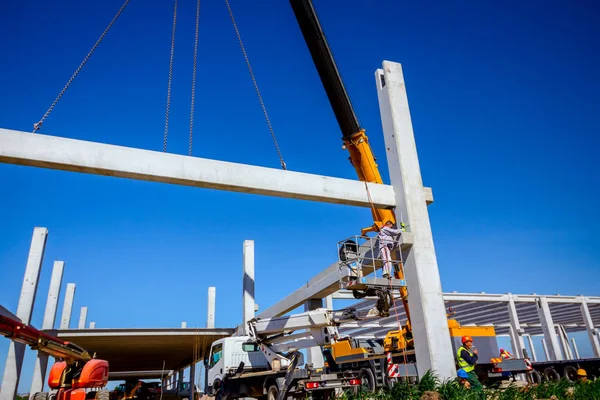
[463, 379]
[388, 236]
[582, 375]
[505, 354]
[467, 358]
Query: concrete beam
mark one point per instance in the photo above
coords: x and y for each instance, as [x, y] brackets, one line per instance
[575, 349]
[314, 355]
[248, 283]
[589, 326]
[41, 362]
[16, 351]
[433, 347]
[515, 329]
[210, 314]
[65, 319]
[37, 150]
[82, 318]
[533, 355]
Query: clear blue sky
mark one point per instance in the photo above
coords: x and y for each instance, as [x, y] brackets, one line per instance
[504, 106]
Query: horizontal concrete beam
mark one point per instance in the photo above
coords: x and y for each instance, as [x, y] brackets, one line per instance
[52, 152]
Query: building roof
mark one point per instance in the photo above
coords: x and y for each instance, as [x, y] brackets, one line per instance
[145, 349]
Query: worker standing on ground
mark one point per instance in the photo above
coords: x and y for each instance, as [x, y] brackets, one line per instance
[388, 237]
[506, 355]
[467, 358]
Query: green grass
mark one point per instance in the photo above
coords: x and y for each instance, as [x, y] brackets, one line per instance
[451, 390]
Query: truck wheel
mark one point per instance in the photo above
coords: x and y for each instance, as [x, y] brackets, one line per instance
[551, 374]
[570, 373]
[534, 377]
[272, 393]
[368, 380]
[40, 396]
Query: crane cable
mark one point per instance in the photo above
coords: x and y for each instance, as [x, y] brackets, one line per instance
[170, 78]
[194, 80]
[38, 125]
[262, 104]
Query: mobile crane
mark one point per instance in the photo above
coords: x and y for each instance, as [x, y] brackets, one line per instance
[72, 376]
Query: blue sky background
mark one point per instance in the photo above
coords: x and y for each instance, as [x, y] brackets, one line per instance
[503, 101]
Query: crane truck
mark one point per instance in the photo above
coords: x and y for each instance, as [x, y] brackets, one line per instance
[77, 375]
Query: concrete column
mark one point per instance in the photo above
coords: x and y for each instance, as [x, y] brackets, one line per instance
[551, 340]
[329, 302]
[184, 324]
[92, 325]
[210, 313]
[192, 380]
[564, 341]
[65, 319]
[575, 349]
[41, 362]
[16, 351]
[532, 355]
[428, 312]
[314, 355]
[589, 325]
[82, 318]
[173, 381]
[515, 329]
[248, 283]
[546, 352]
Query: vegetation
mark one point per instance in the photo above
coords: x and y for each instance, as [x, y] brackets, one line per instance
[430, 388]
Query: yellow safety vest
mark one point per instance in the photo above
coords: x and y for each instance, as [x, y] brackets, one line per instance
[461, 361]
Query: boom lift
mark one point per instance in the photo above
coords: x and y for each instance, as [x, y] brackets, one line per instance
[72, 376]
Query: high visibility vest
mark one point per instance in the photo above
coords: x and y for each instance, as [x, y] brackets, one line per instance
[462, 362]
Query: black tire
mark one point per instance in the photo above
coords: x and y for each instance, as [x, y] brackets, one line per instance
[534, 377]
[551, 375]
[570, 372]
[40, 396]
[103, 394]
[368, 380]
[272, 392]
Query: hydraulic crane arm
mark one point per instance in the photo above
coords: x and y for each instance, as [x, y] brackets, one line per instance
[354, 138]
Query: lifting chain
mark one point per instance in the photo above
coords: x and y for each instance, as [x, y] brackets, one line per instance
[38, 125]
[170, 78]
[194, 80]
[262, 104]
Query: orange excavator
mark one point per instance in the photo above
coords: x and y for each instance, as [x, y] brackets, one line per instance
[75, 370]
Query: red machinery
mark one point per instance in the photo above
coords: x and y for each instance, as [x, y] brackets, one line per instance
[73, 374]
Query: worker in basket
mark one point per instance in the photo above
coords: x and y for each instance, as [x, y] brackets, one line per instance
[506, 355]
[467, 358]
[388, 237]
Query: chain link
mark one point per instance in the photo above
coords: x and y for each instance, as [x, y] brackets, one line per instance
[194, 80]
[262, 104]
[38, 125]
[170, 78]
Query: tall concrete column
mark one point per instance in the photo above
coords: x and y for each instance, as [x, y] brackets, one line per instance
[589, 326]
[192, 380]
[65, 319]
[428, 312]
[532, 355]
[551, 340]
[82, 318]
[16, 351]
[41, 362]
[314, 355]
[210, 312]
[92, 325]
[329, 302]
[515, 328]
[248, 283]
[575, 349]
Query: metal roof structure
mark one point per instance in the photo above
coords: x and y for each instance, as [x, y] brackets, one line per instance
[145, 349]
[488, 309]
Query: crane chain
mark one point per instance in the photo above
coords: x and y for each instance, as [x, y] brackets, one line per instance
[38, 125]
[262, 104]
[168, 108]
[194, 80]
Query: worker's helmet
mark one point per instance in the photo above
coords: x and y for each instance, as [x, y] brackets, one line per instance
[581, 372]
[462, 374]
[389, 222]
[466, 339]
[501, 350]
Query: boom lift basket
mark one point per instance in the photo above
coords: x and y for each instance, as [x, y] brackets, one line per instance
[359, 260]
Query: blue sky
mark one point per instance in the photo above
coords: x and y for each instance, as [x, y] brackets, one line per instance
[503, 102]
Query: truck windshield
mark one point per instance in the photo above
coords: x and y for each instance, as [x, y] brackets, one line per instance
[216, 353]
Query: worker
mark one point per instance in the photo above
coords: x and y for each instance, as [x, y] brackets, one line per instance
[505, 354]
[388, 237]
[467, 358]
[463, 379]
[582, 375]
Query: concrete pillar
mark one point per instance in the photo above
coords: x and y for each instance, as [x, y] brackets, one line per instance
[314, 355]
[65, 319]
[564, 342]
[515, 329]
[210, 312]
[92, 325]
[575, 349]
[184, 324]
[192, 380]
[550, 337]
[41, 362]
[16, 351]
[82, 318]
[546, 351]
[329, 302]
[248, 283]
[532, 355]
[589, 326]
[428, 312]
